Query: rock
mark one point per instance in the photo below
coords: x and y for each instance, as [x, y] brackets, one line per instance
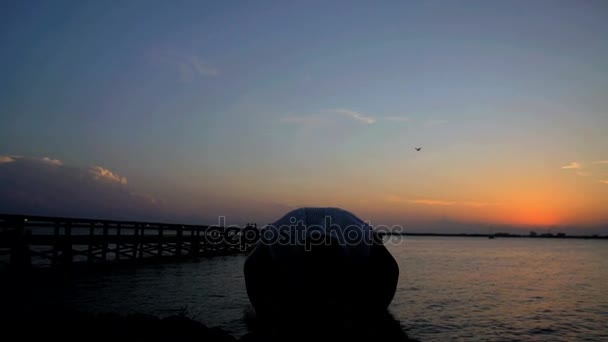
[317, 269]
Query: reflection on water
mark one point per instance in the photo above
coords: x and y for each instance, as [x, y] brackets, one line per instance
[503, 289]
[449, 288]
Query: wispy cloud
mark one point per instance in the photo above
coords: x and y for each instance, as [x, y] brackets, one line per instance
[325, 116]
[573, 166]
[431, 202]
[99, 172]
[44, 160]
[188, 66]
[354, 115]
[6, 159]
[191, 64]
[585, 171]
[578, 169]
[50, 161]
[436, 202]
[479, 204]
[96, 172]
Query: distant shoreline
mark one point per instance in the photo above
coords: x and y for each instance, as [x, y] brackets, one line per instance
[501, 235]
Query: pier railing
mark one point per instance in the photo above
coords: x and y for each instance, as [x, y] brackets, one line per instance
[54, 241]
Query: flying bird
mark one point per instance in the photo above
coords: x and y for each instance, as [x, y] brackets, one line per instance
[417, 148]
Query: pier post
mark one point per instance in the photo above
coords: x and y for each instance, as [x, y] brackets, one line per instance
[91, 237]
[66, 245]
[117, 249]
[141, 238]
[195, 243]
[104, 252]
[178, 247]
[56, 244]
[20, 249]
[136, 232]
[160, 241]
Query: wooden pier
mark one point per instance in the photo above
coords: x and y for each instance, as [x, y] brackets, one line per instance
[58, 241]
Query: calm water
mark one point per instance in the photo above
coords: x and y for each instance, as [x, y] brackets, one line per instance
[449, 289]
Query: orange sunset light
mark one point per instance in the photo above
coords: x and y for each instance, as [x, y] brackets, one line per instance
[531, 215]
[536, 208]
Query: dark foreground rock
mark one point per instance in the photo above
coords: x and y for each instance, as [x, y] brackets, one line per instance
[138, 327]
[110, 327]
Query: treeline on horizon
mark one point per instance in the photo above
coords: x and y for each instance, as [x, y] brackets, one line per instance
[532, 234]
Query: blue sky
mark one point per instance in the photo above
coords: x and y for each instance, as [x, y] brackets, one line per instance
[317, 103]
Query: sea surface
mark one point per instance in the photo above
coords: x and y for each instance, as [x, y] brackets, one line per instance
[450, 288]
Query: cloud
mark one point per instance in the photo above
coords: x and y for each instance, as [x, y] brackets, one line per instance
[44, 160]
[572, 166]
[188, 66]
[50, 161]
[479, 204]
[604, 181]
[35, 186]
[431, 202]
[200, 66]
[322, 117]
[191, 66]
[396, 118]
[46, 186]
[435, 202]
[354, 115]
[99, 172]
[6, 159]
[600, 162]
[472, 204]
[578, 168]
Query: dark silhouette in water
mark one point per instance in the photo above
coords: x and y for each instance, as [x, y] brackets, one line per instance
[341, 287]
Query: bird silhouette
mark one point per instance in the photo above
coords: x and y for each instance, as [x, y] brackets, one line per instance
[417, 148]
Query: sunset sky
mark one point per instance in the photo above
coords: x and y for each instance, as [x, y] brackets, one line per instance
[184, 111]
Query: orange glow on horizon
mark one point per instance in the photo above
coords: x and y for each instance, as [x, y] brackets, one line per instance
[534, 216]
